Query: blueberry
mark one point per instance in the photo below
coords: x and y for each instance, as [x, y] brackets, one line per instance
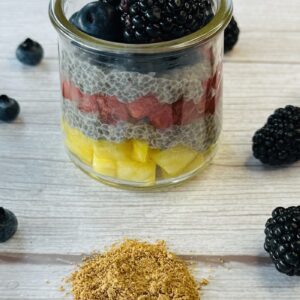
[73, 19]
[9, 109]
[112, 2]
[99, 19]
[157, 63]
[8, 224]
[30, 53]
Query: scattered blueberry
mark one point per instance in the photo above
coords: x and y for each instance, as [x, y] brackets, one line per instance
[8, 224]
[99, 19]
[9, 108]
[30, 53]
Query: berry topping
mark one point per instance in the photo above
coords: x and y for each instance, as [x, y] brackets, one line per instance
[112, 2]
[8, 224]
[99, 19]
[9, 108]
[278, 142]
[73, 19]
[30, 53]
[150, 21]
[231, 36]
[283, 239]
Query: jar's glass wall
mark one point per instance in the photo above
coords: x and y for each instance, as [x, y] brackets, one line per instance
[141, 120]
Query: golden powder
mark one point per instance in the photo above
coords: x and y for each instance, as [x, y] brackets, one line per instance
[204, 282]
[134, 270]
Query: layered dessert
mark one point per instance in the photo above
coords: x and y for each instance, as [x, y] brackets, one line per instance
[141, 119]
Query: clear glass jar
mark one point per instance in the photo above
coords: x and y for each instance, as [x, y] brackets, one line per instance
[141, 116]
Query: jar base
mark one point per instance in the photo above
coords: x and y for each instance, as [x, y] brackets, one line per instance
[129, 185]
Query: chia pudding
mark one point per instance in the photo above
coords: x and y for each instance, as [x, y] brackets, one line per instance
[141, 118]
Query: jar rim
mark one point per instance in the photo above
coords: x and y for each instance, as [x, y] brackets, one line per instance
[219, 22]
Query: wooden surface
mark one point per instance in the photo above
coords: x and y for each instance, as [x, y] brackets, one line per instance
[218, 216]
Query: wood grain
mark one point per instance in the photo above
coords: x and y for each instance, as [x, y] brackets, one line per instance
[219, 214]
[228, 280]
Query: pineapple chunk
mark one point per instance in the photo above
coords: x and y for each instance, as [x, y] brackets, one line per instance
[135, 171]
[104, 166]
[113, 151]
[196, 163]
[153, 152]
[165, 175]
[193, 166]
[106, 155]
[140, 150]
[200, 159]
[174, 160]
[79, 144]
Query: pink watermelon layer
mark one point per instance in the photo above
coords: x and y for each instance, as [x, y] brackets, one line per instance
[159, 115]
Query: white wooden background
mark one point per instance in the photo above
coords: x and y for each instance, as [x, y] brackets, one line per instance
[218, 216]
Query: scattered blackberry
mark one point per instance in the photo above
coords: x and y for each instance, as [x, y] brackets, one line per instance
[30, 53]
[231, 36]
[283, 239]
[8, 224]
[151, 21]
[278, 142]
[9, 108]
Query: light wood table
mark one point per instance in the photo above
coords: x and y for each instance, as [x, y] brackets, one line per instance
[216, 220]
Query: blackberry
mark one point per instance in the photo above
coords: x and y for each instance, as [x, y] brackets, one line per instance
[231, 35]
[151, 21]
[278, 142]
[283, 239]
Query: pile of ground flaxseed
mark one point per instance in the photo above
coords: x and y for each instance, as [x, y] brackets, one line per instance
[134, 270]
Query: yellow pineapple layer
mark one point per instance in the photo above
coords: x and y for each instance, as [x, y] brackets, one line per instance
[174, 160]
[140, 151]
[79, 144]
[136, 171]
[132, 160]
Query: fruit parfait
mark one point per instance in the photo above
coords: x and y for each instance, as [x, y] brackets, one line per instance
[141, 84]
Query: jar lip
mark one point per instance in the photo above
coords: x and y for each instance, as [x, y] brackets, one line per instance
[217, 24]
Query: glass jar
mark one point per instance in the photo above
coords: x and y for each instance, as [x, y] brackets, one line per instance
[141, 116]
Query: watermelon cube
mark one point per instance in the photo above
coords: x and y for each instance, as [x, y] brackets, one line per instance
[185, 112]
[162, 118]
[143, 107]
[111, 110]
[89, 104]
[71, 92]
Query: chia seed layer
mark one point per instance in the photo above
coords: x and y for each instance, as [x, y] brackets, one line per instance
[199, 135]
[168, 87]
